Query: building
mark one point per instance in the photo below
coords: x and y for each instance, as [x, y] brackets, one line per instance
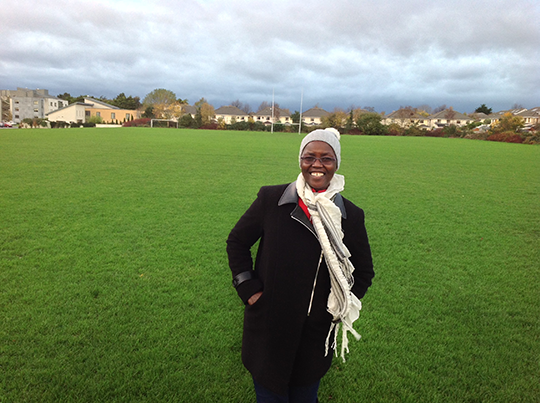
[30, 104]
[231, 114]
[449, 117]
[406, 117]
[80, 112]
[265, 115]
[314, 116]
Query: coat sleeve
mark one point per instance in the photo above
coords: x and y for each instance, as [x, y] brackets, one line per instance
[357, 242]
[243, 236]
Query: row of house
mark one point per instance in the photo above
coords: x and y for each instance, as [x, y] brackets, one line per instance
[230, 114]
[407, 117]
[25, 103]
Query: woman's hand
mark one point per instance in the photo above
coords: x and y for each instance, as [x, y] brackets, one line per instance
[254, 298]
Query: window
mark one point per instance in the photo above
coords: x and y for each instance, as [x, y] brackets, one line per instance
[113, 115]
[86, 113]
[98, 114]
[36, 110]
[128, 116]
[35, 102]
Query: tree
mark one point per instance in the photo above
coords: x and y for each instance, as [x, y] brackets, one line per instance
[450, 114]
[439, 108]
[124, 102]
[295, 117]
[149, 112]
[335, 119]
[242, 106]
[168, 111]
[66, 96]
[263, 105]
[186, 121]
[205, 113]
[483, 109]
[508, 123]
[517, 106]
[4, 107]
[370, 124]
[350, 121]
[159, 96]
[424, 108]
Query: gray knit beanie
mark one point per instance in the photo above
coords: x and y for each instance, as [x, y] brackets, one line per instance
[330, 136]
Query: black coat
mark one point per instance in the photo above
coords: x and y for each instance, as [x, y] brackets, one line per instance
[281, 344]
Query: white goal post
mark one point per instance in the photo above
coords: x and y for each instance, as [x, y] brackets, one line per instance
[163, 120]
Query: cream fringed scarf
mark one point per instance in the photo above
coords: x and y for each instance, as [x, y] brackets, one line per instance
[326, 217]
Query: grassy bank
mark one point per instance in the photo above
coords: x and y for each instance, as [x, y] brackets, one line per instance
[114, 283]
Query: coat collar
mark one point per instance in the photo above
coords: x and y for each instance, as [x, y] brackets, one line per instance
[291, 196]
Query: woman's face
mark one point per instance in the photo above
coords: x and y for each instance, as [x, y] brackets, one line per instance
[317, 174]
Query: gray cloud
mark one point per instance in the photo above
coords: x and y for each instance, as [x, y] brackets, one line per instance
[381, 53]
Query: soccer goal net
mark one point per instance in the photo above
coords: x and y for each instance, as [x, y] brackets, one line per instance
[163, 123]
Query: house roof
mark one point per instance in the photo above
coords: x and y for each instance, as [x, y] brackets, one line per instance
[101, 103]
[315, 113]
[268, 112]
[69, 106]
[189, 109]
[404, 113]
[535, 112]
[478, 115]
[449, 114]
[230, 110]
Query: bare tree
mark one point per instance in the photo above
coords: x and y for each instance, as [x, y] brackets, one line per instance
[426, 108]
[439, 108]
[237, 103]
[263, 105]
[246, 108]
[450, 114]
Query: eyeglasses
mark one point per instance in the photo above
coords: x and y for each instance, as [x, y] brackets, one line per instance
[326, 161]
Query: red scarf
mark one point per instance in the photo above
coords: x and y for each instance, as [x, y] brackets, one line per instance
[303, 205]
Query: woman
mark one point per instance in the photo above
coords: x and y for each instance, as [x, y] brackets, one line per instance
[313, 265]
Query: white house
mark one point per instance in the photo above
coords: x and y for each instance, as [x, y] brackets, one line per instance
[448, 117]
[230, 114]
[282, 116]
[314, 116]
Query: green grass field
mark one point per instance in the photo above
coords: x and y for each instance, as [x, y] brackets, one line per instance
[114, 284]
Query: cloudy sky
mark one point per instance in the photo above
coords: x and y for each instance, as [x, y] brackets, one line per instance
[339, 53]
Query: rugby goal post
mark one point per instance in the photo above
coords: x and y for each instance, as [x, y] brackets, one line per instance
[164, 120]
